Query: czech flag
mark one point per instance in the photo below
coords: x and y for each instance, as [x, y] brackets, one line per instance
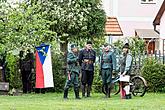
[44, 74]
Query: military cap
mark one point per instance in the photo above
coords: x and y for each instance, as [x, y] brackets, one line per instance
[89, 42]
[73, 46]
[126, 46]
[106, 44]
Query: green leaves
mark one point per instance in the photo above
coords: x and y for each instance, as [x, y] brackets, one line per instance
[153, 72]
[80, 19]
[25, 27]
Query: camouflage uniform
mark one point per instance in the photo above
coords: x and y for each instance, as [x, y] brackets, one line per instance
[73, 71]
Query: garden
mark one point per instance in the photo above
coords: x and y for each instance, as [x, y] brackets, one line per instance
[59, 23]
[55, 101]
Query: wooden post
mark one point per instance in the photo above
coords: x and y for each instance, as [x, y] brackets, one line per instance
[139, 55]
[159, 56]
[155, 53]
[135, 57]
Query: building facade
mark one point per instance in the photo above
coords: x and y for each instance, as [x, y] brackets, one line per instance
[159, 26]
[134, 17]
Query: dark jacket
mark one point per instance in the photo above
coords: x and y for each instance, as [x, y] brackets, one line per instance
[87, 55]
[27, 63]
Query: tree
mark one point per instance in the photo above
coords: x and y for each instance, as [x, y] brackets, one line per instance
[30, 23]
[24, 27]
[76, 19]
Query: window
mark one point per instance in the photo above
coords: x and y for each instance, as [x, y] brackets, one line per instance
[148, 1]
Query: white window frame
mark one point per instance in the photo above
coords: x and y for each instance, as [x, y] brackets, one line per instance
[148, 2]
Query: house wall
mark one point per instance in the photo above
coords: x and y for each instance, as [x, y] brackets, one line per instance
[131, 14]
[134, 8]
[162, 32]
[107, 6]
[162, 26]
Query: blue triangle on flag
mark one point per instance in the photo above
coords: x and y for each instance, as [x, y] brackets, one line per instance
[42, 52]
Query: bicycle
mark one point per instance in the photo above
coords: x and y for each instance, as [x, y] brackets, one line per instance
[138, 84]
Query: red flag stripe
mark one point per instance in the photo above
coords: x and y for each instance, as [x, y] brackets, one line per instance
[39, 73]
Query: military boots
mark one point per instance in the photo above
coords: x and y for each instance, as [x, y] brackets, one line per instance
[83, 90]
[128, 96]
[76, 90]
[108, 92]
[88, 91]
[65, 93]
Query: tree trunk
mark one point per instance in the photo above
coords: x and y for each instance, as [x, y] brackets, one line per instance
[63, 48]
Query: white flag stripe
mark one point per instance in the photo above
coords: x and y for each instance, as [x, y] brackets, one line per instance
[47, 70]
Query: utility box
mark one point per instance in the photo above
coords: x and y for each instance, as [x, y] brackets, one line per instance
[4, 86]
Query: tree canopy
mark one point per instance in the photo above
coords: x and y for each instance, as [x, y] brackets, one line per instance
[23, 27]
[30, 23]
[75, 18]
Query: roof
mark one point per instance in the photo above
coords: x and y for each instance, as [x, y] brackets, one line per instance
[159, 14]
[146, 33]
[112, 27]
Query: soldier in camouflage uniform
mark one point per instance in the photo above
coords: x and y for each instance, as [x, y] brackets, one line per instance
[73, 71]
[108, 65]
[125, 64]
[87, 58]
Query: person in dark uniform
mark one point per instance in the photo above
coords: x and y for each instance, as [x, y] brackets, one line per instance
[125, 64]
[108, 65]
[3, 64]
[87, 58]
[26, 68]
[73, 71]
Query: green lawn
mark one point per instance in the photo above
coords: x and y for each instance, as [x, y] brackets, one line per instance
[54, 101]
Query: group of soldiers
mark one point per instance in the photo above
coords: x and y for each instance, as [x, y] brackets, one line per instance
[80, 65]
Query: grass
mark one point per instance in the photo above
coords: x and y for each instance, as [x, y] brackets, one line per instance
[54, 101]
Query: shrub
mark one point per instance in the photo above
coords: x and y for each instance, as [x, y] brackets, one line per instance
[154, 73]
[97, 82]
[12, 74]
[59, 77]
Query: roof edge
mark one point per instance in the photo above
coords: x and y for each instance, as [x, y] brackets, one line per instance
[159, 14]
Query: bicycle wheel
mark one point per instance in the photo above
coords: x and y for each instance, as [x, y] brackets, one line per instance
[138, 86]
[115, 88]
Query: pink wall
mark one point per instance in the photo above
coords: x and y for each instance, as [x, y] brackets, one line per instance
[162, 32]
[131, 14]
[128, 27]
[162, 26]
[107, 6]
[134, 15]
[134, 8]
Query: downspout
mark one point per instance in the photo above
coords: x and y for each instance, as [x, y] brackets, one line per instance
[163, 42]
[155, 29]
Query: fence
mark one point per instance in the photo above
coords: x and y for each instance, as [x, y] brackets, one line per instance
[139, 58]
